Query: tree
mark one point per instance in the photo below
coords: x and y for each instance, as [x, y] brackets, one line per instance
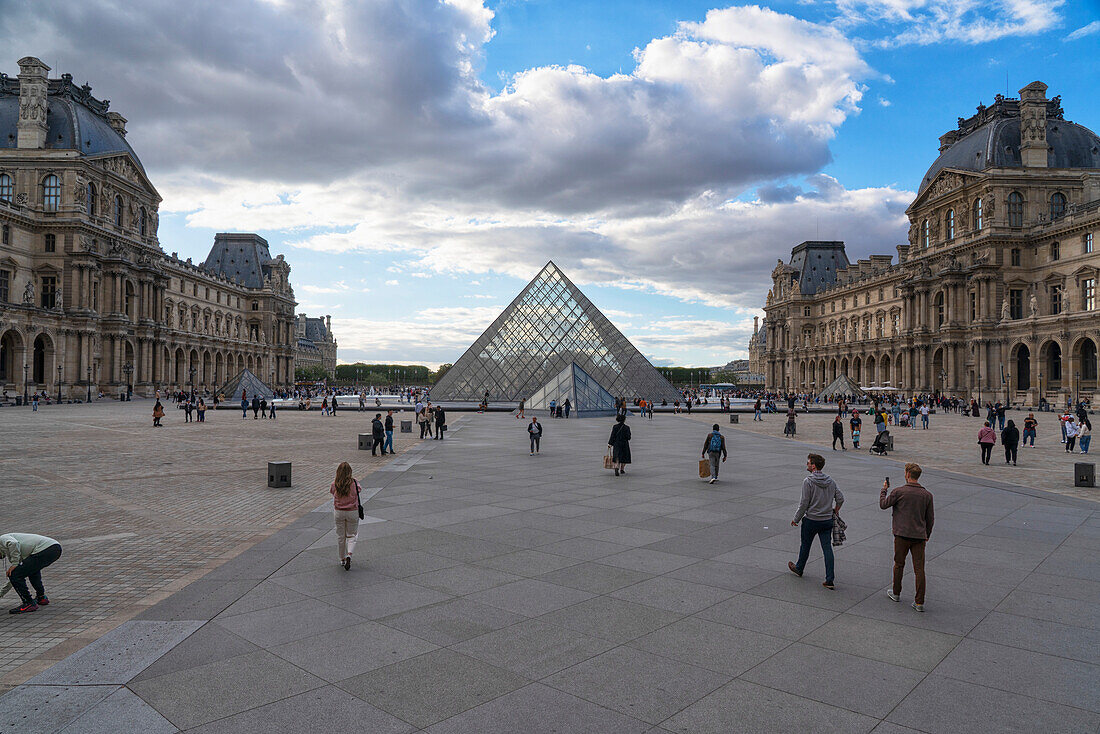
[310, 373]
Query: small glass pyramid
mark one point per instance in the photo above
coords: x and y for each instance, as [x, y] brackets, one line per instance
[548, 326]
[586, 396]
[245, 380]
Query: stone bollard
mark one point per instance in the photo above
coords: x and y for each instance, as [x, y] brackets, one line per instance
[1084, 475]
[406, 426]
[278, 474]
[735, 418]
[366, 441]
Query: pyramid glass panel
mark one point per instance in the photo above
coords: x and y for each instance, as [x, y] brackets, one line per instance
[585, 395]
[245, 381]
[545, 329]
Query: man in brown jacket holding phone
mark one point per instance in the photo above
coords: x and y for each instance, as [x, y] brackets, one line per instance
[912, 521]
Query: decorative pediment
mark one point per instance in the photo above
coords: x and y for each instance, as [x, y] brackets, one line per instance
[124, 167]
[946, 182]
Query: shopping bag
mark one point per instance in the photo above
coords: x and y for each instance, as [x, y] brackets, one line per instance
[704, 468]
[607, 459]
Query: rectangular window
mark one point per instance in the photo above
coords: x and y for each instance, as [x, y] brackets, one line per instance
[1088, 294]
[1016, 303]
[49, 291]
[51, 243]
[183, 288]
[5, 235]
[1088, 243]
[5, 285]
[95, 295]
[1056, 299]
[973, 306]
[881, 293]
[867, 299]
[1055, 251]
[1015, 256]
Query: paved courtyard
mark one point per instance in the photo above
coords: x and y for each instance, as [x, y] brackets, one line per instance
[499, 592]
[142, 512]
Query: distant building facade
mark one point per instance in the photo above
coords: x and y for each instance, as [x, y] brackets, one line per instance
[993, 296]
[88, 300]
[315, 346]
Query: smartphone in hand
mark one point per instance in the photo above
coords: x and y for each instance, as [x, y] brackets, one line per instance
[887, 482]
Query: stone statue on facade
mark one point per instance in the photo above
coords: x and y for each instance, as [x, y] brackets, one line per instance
[59, 301]
[1004, 310]
[28, 294]
[1033, 306]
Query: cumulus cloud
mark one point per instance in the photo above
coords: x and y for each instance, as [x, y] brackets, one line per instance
[924, 22]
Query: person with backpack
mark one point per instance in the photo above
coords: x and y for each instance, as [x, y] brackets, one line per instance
[714, 448]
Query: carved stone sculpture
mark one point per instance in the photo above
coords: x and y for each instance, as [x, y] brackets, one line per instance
[1033, 306]
[28, 294]
[1004, 310]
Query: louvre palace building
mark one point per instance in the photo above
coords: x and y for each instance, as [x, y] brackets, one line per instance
[993, 296]
[88, 300]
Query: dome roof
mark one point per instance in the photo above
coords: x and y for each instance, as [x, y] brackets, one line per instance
[75, 120]
[991, 139]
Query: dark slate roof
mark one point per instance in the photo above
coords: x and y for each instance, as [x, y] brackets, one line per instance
[241, 257]
[74, 120]
[996, 144]
[817, 263]
[315, 329]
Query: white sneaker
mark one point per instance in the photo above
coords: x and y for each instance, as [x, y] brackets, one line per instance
[893, 597]
[713, 480]
[918, 607]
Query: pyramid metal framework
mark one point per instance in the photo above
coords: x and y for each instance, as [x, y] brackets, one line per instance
[586, 396]
[549, 325]
[842, 385]
[245, 380]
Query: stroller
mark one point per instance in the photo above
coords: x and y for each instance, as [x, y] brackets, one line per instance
[882, 442]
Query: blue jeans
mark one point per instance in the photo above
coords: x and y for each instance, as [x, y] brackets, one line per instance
[1029, 433]
[823, 529]
[1001, 421]
[924, 421]
[388, 445]
[1085, 441]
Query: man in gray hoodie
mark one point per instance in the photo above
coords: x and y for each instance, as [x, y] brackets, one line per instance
[821, 501]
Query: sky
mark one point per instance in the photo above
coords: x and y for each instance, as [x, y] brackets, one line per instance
[418, 161]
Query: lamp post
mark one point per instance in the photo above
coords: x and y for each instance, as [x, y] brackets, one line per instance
[943, 382]
[89, 384]
[1040, 401]
[979, 388]
[191, 373]
[128, 368]
[26, 368]
[1076, 388]
[58, 384]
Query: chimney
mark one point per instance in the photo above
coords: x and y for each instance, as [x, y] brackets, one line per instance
[33, 85]
[118, 122]
[755, 325]
[328, 325]
[1033, 125]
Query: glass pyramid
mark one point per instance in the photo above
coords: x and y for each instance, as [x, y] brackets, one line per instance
[549, 325]
[245, 380]
[585, 395]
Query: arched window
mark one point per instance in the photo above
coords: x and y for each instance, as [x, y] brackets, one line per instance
[978, 215]
[6, 188]
[141, 221]
[925, 234]
[939, 309]
[949, 224]
[1015, 209]
[51, 193]
[1088, 360]
[118, 211]
[90, 193]
[1057, 205]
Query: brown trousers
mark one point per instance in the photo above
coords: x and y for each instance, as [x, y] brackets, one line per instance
[902, 548]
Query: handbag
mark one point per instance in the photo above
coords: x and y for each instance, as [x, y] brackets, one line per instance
[358, 501]
[607, 459]
[704, 468]
[444, 427]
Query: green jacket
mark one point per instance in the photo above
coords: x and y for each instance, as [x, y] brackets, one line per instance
[18, 546]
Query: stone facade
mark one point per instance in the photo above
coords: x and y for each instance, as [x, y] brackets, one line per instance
[316, 346]
[88, 300]
[995, 293]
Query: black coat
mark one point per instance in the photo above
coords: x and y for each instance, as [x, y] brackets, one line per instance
[1010, 437]
[620, 443]
[376, 429]
[838, 430]
[440, 417]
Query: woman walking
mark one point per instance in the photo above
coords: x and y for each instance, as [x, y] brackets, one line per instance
[345, 505]
[838, 433]
[158, 413]
[1010, 439]
[200, 410]
[620, 445]
[1084, 435]
[986, 439]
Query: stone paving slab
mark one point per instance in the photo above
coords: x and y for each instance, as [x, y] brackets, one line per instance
[516, 593]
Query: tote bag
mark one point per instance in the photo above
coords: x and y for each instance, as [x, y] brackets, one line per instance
[704, 468]
[607, 458]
